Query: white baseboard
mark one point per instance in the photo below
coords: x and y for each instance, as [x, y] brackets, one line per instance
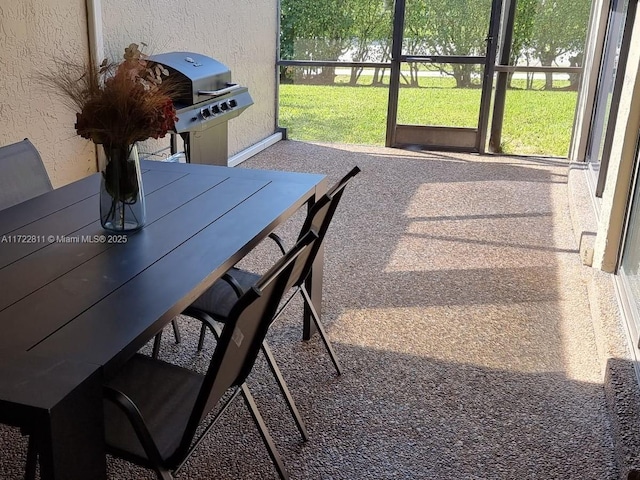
[254, 149]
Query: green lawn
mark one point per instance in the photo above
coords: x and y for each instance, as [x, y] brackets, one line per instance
[536, 122]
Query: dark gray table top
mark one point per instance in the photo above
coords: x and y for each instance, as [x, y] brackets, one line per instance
[71, 290]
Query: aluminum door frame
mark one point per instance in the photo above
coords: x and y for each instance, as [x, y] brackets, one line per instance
[430, 137]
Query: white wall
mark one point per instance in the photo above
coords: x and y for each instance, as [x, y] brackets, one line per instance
[32, 32]
[240, 33]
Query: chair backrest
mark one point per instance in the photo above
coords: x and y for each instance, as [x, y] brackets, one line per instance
[22, 174]
[243, 334]
[318, 219]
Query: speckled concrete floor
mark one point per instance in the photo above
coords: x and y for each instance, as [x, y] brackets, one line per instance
[454, 298]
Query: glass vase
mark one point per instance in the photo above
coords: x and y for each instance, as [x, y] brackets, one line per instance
[122, 206]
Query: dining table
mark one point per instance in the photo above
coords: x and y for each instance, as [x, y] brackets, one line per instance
[77, 301]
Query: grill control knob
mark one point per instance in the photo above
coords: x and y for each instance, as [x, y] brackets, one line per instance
[215, 109]
[224, 106]
[205, 112]
[233, 103]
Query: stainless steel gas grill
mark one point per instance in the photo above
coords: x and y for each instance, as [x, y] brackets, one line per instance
[206, 101]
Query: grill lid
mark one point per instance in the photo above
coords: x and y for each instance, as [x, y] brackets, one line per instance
[204, 96]
[195, 74]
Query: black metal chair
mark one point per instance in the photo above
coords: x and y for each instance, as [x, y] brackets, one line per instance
[22, 174]
[23, 177]
[166, 405]
[218, 300]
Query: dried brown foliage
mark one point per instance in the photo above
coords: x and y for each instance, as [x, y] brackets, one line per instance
[117, 103]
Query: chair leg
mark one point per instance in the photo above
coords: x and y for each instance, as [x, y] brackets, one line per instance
[321, 330]
[284, 389]
[264, 432]
[176, 330]
[203, 332]
[156, 345]
[158, 338]
[164, 474]
[32, 459]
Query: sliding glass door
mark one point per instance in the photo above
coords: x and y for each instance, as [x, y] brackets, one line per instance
[616, 48]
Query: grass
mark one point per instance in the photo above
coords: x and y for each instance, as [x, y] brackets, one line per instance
[536, 122]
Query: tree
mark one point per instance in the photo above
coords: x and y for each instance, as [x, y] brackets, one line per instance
[449, 27]
[522, 31]
[370, 32]
[312, 30]
[560, 28]
[544, 30]
[327, 30]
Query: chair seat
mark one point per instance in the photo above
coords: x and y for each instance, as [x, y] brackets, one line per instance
[165, 399]
[218, 299]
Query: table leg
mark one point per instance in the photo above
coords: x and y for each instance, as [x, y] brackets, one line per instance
[313, 283]
[71, 441]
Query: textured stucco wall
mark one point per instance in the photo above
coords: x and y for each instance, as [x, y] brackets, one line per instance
[32, 32]
[241, 34]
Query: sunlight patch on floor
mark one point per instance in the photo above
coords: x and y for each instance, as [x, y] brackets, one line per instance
[504, 337]
[471, 244]
[481, 196]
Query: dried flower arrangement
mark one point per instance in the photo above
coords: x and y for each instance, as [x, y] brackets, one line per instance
[117, 105]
